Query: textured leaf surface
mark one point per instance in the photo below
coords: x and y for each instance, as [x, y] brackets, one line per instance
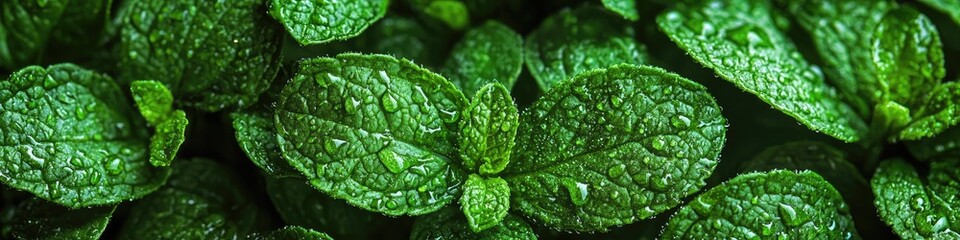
[320, 21]
[200, 201]
[449, 224]
[776, 204]
[291, 233]
[257, 137]
[573, 41]
[39, 219]
[837, 30]
[211, 54]
[155, 103]
[740, 41]
[944, 144]
[489, 53]
[488, 129]
[68, 137]
[29, 29]
[300, 204]
[485, 202]
[376, 131]
[913, 210]
[626, 8]
[908, 56]
[950, 7]
[940, 111]
[613, 146]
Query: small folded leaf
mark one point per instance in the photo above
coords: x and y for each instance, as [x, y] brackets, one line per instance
[778, 204]
[940, 111]
[320, 21]
[487, 130]
[490, 53]
[201, 200]
[39, 219]
[889, 118]
[574, 41]
[300, 204]
[290, 233]
[155, 103]
[449, 224]
[69, 136]
[212, 55]
[907, 56]
[913, 210]
[609, 147]
[257, 137]
[626, 8]
[740, 41]
[485, 202]
[387, 116]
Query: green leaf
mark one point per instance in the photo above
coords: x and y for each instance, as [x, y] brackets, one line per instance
[626, 8]
[69, 137]
[913, 210]
[740, 41]
[940, 111]
[489, 53]
[211, 55]
[300, 204]
[201, 200]
[39, 219]
[29, 28]
[908, 56]
[485, 202]
[488, 129]
[257, 137]
[574, 41]
[291, 233]
[950, 7]
[155, 103]
[942, 145]
[448, 223]
[777, 204]
[889, 117]
[387, 116]
[610, 146]
[320, 21]
[451, 12]
[837, 29]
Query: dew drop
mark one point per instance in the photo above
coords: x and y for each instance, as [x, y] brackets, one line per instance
[616, 171]
[578, 191]
[351, 105]
[94, 178]
[789, 215]
[681, 122]
[393, 162]
[389, 103]
[658, 144]
[115, 166]
[332, 144]
[767, 229]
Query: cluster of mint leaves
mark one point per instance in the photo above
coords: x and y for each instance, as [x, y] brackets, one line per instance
[466, 119]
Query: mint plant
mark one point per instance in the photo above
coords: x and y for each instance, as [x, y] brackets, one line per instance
[466, 119]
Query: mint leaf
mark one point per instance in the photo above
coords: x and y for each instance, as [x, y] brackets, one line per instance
[320, 21]
[609, 146]
[573, 41]
[740, 41]
[950, 7]
[201, 200]
[488, 129]
[211, 55]
[942, 145]
[155, 103]
[626, 8]
[485, 202]
[32, 31]
[387, 116]
[907, 55]
[448, 223]
[775, 204]
[913, 210]
[835, 27]
[300, 204]
[39, 219]
[257, 137]
[940, 111]
[489, 53]
[68, 137]
[451, 12]
[291, 233]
